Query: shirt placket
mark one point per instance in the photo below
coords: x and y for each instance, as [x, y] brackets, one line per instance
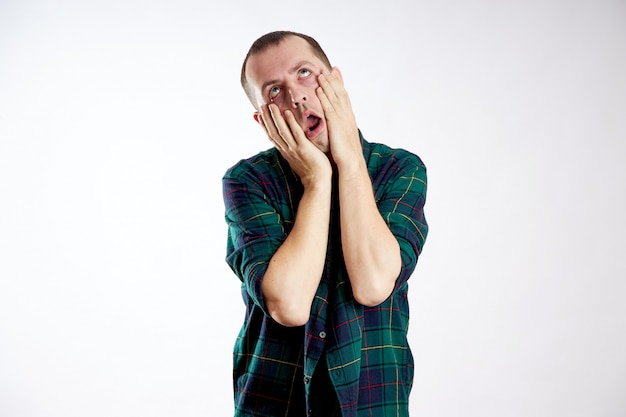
[317, 331]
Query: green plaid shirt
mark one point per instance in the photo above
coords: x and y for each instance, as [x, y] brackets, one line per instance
[366, 350]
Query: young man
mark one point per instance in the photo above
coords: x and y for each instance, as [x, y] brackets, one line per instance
[324, 230]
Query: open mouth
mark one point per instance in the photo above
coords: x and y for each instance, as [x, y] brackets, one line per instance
[313, 125]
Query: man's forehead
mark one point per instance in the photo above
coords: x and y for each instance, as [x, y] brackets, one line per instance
[280, 57]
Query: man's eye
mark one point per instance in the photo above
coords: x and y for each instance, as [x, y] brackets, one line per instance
[274, 92]
[304, 73]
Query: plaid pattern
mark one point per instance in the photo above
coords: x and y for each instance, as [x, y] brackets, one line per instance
[367, 354]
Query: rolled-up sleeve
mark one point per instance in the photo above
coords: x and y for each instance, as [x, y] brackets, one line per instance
[400, 188]
[255, 228]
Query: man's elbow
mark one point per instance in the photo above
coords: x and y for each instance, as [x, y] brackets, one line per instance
[373, 288]
[288, 316]
[374, 292]
[371, 297]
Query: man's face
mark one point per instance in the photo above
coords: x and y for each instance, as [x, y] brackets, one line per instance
[286, 75]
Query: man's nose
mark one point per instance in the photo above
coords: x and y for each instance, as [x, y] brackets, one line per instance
[297, 97]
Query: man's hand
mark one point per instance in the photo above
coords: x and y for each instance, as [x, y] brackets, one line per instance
[343, 133]
[371, 252]
[295, 270]
[306, 160]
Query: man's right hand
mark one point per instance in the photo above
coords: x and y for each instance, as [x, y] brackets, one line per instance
[294, 272]
[304, 158]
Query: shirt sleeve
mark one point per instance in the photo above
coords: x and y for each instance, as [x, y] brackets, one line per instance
[255, 227]
[401, 194]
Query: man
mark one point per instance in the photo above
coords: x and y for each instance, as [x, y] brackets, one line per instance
[324, 231]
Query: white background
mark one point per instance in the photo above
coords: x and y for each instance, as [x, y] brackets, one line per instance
[119, 117]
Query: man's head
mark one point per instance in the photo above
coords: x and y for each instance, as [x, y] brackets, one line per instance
[273, 39]
[282, 68]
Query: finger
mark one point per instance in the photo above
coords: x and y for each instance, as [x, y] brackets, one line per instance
[294, 127]
[338, 86]
[327, 106]
[334, 80]
[326, 83]
[271, 129]
[281, 125]
[265, 128]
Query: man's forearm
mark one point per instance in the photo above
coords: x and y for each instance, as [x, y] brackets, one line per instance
[371, 252]
[294, 271]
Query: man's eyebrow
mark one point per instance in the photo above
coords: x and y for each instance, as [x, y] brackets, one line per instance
[290, 71]
[298, 65]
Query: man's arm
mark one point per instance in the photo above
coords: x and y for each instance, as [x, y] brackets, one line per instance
[294, 272]
[371, 252]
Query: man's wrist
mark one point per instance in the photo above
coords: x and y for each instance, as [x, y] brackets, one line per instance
[352, 167]
[318, 183]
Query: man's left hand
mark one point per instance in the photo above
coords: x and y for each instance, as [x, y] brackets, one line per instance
[343, 133]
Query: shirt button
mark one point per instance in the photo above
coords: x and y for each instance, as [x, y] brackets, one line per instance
[322, 335]
[307, 379]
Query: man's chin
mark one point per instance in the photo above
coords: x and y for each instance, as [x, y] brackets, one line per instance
[321, 143]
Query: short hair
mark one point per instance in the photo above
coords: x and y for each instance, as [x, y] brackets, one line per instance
[273, 39]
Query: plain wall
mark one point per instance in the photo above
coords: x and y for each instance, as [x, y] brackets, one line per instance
[118, 119]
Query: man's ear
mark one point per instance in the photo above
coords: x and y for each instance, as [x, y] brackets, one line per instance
[257, 117]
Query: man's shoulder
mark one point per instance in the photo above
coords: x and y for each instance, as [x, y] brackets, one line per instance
[380, 154]
[262, 162]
